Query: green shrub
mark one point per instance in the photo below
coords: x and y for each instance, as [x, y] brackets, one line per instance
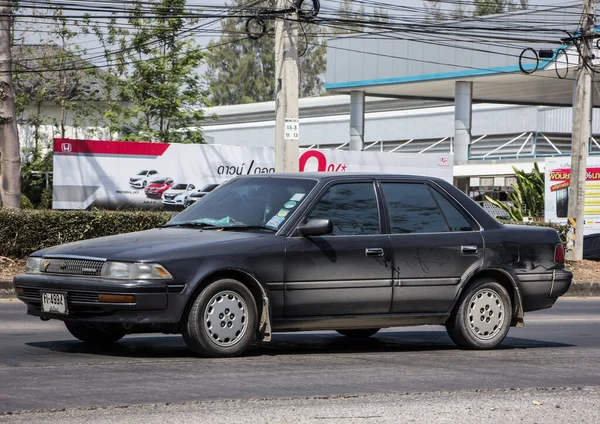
[25, 231]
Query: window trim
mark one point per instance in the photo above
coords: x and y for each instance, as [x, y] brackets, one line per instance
[324, 190]
[475, 226]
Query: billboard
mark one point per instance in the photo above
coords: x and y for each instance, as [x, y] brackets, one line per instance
[109, 174]
[557, 176]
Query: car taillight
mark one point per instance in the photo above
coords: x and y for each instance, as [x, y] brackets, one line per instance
[559, 254]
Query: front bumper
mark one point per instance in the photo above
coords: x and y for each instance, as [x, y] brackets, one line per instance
[137, 184]
[152, 298]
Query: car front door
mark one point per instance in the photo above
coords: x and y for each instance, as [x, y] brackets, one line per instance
[435, 243]
[343, 273]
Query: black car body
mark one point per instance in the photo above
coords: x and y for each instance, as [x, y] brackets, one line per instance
[591, 247]
[346, 252]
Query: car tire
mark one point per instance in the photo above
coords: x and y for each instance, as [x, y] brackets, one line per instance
[362, 333]
[95, 334]
[222, 320]
[482, 317]
[144, 184]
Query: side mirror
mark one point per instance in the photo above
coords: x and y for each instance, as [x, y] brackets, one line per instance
[316, 227]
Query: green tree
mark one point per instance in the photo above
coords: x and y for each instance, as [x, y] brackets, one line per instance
[491, 7]
[242, 70]
[153, 90]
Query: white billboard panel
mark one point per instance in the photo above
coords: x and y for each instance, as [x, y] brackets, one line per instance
[115, 174]
[557, 176]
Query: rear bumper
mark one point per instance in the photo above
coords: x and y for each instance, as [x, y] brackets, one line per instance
[541, 290]
[151, 306]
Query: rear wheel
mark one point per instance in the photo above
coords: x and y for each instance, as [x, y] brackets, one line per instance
[222, 320]
[95, 334]
[362, 333]
[481, 319]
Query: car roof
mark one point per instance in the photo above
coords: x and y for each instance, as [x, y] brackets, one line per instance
[341, 175]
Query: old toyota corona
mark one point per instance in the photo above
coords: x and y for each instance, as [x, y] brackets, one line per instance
[291, 252]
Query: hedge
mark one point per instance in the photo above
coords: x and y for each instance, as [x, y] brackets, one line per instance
[25, 231]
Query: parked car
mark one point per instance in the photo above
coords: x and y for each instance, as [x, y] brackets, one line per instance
[157, 187]
[142, 178]
[591, 247]
[192, 198]
[173, 195]
[291, 252]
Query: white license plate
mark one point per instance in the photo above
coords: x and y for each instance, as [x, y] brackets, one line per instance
[55, 303]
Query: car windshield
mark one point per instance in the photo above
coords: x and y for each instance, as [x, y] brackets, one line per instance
[142, 172]
[243, 202]
[180, 186]
[159, 181]
[199, 194]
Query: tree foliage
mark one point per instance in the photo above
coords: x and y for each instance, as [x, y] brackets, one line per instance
[437, 10]
[242, 70]
[156, 72]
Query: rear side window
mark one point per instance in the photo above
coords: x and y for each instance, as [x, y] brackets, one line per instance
[411, 209]
[351, 208]
[456, 221]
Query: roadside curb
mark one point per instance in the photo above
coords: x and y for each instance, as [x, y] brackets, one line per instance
[583, 289]
[6, 289]
[578, 289]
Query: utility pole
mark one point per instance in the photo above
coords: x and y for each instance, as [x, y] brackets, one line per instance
[287, 127]
[582, 130]
[10, 157]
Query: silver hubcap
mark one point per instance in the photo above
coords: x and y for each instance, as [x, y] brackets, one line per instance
[225, 318]
[486, 314]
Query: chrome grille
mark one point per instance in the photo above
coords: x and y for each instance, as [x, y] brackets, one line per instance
[72, 266]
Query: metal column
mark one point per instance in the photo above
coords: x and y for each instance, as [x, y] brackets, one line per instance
[357, 120]
[463, 101]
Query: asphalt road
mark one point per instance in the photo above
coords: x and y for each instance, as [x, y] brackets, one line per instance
[43, 368]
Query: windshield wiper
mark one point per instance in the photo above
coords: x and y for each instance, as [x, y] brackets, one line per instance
[247, 227]
[190, 224]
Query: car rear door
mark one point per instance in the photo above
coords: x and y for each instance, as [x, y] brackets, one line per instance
[344, 273]
[435, 243]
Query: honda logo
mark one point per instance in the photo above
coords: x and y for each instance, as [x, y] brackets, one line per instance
[67, 147]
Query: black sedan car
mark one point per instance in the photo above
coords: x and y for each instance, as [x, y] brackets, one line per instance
[291, 252]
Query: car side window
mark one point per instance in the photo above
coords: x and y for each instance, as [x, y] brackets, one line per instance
[351, 208]
[456, 221]
[192, 186]
[411, 209]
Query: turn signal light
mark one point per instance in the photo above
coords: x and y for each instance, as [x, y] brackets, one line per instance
[116, 298]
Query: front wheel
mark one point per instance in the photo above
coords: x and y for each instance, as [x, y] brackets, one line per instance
[359, 334]
[95, 334]
[222, 320]
[482, 317]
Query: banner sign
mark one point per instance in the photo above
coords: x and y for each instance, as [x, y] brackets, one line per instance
[557, 182]
[111, 174]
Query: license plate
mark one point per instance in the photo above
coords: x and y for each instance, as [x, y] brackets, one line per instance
[55, 303]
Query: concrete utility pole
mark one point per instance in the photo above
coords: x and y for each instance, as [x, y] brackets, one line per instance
[582, 130]
[10, 165]
[287, 128]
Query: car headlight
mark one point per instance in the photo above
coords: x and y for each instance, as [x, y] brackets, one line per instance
[33, 265]
[134, 271]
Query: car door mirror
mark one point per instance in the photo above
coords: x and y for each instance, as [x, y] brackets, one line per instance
[316, 227]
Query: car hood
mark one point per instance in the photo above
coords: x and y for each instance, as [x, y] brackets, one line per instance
[153, 245]
[175, 191]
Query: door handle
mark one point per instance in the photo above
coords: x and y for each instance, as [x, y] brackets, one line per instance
[374, 252]
[469, 249]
